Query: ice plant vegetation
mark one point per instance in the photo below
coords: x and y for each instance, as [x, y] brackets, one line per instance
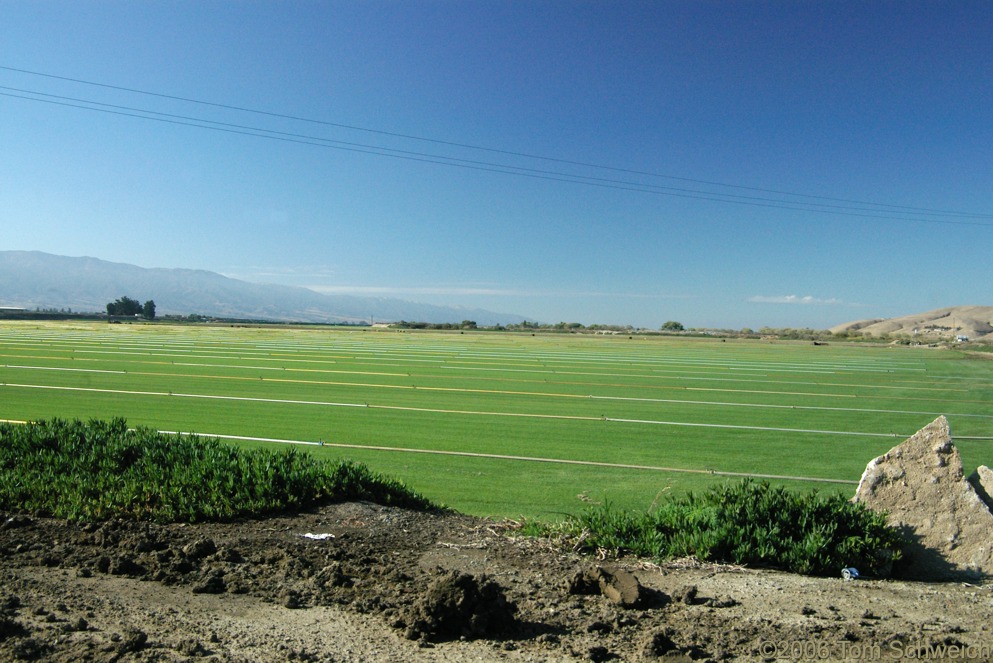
[747, 522]
[95, 470]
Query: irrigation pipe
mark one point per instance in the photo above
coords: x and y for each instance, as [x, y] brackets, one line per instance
[674, 401]
[468, 412]
[532, 459]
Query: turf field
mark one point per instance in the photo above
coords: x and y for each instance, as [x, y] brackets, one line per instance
[511, 424]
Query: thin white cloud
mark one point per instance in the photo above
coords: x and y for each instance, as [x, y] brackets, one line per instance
[793, 299]
[398, 291]
[474, 291]
[261, 274]
[321, 279]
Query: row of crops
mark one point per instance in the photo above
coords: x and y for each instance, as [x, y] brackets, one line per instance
[510, 423]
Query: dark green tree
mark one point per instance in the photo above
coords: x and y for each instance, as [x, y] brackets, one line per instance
[672, 325]
[148, 310]
[124, 306]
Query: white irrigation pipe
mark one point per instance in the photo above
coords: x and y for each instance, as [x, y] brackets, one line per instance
[671, 401]
[787, 407]
[722, 377]
[69, 370]
[533, 459]
[464, 412]
[677, 376]
[444, 353]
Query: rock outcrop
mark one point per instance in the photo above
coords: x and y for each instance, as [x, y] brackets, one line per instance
[921, 485]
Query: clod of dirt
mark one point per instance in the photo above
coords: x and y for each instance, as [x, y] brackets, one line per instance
[30, 649]
[584, 582]
[659, 644]
[192, 647]
[9, 627]
[332, 575]
[598, 654]
[458, 605]
[132, 642]
[599, 627]
[290, 598]
[688, 594]
[200, 548]
[619, 586]
[212, 583]
[125, 566]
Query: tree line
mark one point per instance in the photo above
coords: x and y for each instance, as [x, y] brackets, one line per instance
[125, 306]
[524, 325]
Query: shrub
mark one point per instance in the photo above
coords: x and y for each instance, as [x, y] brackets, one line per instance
[750, 523]
[101, 469]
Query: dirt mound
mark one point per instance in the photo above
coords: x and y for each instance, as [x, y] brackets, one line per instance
[458, 605]
[346, 582]
[921, 485]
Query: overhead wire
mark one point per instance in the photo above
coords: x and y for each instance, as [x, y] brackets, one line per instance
[262, 132]
[862, 209]
[477, 147]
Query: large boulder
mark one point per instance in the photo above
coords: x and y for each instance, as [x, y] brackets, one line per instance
[921, 485]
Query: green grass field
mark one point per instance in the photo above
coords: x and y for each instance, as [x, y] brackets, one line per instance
[555, 419]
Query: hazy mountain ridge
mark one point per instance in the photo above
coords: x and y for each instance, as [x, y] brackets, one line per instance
[976, 322]
[32, 279]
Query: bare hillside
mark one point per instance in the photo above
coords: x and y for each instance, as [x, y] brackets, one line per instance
[976, 322]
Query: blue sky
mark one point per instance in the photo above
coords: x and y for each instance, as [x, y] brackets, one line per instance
[596, 162]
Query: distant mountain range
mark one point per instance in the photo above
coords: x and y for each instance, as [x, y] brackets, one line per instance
[32, 280]
[976, 322]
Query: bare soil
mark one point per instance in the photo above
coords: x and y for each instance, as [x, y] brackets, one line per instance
[380, 584]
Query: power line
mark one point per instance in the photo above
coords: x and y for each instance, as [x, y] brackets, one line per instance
[875, 210]
[482, 148]
[431, 158]
[257, 132]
